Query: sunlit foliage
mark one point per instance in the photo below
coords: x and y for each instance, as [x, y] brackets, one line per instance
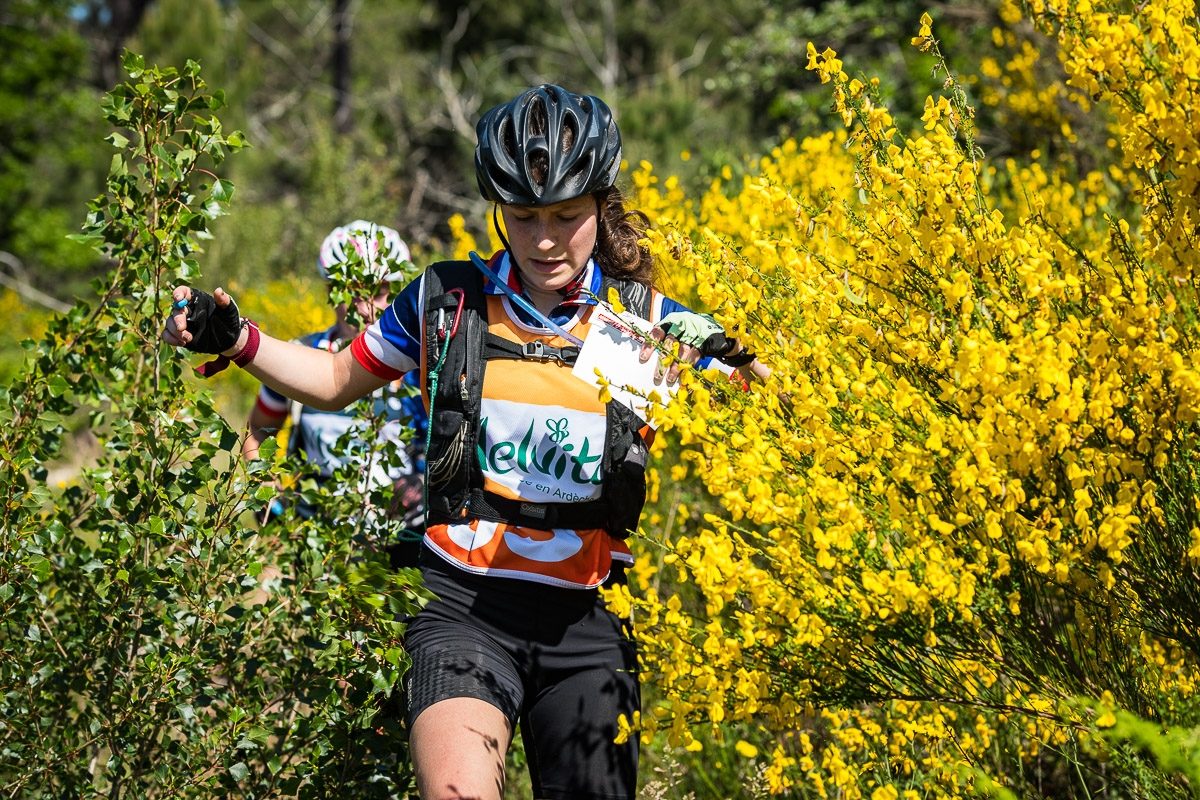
[959, 529]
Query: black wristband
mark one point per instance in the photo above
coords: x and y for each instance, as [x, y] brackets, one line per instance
[244, 357]
[740, 360]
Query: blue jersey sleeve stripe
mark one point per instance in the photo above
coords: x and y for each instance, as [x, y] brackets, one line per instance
[668, 306]
[395, 338]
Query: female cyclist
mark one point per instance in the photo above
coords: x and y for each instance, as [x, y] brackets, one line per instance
[532, 482]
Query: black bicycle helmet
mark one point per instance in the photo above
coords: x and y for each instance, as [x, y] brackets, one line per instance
[569, 139]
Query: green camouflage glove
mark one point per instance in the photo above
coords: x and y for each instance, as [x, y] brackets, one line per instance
[700, 331]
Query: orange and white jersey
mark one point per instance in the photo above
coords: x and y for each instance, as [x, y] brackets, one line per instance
[541, 440]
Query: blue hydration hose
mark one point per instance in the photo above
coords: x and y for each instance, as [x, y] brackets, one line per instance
[522, 302]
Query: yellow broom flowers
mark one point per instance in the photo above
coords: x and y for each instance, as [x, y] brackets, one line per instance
[965, 497]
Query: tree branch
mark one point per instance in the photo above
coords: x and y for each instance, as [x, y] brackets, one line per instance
[24, 289]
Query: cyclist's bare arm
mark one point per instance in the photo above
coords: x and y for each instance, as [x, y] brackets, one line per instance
[317, 378]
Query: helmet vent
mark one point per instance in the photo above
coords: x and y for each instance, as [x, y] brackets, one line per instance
[508, 139]
[535, 118]
[570, 132]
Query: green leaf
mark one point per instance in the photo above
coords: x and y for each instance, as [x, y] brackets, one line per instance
[212, 209]
[230, 440]
[188, 268]
[58, 386]
[222, 191]
[134, 64]
[239, 771]
[39, 566]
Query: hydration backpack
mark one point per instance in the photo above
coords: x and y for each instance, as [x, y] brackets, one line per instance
[453, 471]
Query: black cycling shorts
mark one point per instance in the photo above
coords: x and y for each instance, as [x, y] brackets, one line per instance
[555, 661]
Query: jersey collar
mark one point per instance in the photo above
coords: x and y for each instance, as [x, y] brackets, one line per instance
[583, 291]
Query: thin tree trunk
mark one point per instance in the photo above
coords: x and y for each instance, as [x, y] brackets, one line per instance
[342, 116]
[112, 23]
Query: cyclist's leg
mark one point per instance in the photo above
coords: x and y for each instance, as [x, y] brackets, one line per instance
[457, 747]
[570, 724]
[464, 693]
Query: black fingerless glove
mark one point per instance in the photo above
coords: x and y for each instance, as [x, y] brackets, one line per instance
[214, 329]
[717, 346]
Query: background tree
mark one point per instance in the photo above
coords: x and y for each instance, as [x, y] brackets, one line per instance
[49, 162]
[368, 108]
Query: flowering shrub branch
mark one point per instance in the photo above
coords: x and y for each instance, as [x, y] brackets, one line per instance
[966, 496]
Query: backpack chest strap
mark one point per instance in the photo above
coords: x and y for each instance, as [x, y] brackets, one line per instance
[498, 347]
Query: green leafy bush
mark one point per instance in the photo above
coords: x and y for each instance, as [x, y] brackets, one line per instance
[156, 642]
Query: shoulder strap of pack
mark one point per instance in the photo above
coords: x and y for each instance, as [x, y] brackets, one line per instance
[634, 296]
[455, 311]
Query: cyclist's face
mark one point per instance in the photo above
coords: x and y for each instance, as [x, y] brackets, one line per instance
[551, 244]
[368, 309]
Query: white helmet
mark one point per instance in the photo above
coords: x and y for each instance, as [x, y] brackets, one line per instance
[364, 237]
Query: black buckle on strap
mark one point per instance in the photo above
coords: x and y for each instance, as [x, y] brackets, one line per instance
[540, 351]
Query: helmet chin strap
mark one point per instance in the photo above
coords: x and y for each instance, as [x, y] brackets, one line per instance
[499, 229]
[599, 224]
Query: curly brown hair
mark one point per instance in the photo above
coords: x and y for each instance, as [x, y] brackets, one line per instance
[619, 251]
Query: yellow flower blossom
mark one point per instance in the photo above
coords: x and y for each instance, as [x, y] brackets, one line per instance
[745, 749]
